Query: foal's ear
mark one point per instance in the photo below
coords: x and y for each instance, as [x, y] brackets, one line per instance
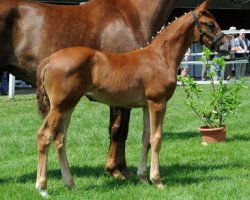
[205, 5]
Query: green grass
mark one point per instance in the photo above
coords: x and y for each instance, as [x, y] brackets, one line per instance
[188, 169]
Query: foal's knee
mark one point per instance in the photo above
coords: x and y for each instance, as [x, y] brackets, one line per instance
[155, 141]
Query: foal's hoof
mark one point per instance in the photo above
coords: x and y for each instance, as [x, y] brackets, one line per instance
[144, 180]
[43, 193]
[158, 184]
[143, 177]
[70, 185]
[70, 188]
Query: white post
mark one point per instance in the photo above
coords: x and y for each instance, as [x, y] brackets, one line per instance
[11, 86]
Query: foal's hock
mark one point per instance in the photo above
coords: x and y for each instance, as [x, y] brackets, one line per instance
[145, 78]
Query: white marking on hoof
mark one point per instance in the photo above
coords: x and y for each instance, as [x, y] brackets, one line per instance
[157, 183]
[44, 193]
[160, 186]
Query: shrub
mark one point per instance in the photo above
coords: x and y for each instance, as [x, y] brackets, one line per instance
[223, 98]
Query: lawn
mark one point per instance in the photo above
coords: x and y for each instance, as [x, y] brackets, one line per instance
[188, 169]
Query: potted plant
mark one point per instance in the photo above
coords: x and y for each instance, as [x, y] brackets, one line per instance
[214, 106]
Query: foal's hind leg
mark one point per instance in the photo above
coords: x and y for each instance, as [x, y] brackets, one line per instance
[45, 136]
[116, 162]
[60, 147]
[142, 169]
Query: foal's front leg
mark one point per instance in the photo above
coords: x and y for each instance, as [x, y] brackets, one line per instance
[157, 112]
[142, 169]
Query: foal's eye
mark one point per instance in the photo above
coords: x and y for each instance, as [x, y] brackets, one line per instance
[211, 26]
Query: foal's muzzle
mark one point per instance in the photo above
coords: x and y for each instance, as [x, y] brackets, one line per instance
[216, 39]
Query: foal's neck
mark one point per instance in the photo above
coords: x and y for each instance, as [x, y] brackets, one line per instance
[174, 40]
[153, 14]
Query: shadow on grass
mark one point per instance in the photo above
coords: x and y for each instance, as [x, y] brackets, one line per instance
[236, 138]
[180, 135]
[185, 174]
[85, 171]
[171, 175]
[2, 181]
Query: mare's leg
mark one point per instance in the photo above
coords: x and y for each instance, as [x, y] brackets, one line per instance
[60, 147]
[45, 136]
[142, 169]
[157, 111]
[118, 129]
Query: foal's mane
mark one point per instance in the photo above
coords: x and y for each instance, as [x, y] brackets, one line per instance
[177, 20]
[168, 27]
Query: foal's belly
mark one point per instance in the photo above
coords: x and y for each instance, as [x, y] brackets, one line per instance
[130, 99]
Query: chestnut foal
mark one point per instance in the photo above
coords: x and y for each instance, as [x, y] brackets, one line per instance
[31, 31]
[145, 78]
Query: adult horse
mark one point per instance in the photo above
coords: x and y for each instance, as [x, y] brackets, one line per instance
[31, 31]
[144, 78]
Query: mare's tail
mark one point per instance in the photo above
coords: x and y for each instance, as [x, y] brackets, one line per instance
[41, 94]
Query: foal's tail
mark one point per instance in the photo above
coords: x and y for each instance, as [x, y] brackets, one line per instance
[41, 94]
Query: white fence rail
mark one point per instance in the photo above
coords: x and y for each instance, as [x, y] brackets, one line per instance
[202, 63]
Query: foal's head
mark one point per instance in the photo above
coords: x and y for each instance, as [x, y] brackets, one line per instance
[207, 30]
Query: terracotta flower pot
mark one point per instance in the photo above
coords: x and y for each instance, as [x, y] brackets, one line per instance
[213, 135]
